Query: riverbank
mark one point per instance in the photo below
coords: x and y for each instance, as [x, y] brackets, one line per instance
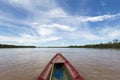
[101, 45]
[115, 44]
[14, 46]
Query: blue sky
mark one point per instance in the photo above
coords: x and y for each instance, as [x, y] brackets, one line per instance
[59, 22]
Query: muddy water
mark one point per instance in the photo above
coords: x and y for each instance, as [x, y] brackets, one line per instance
[27, 63]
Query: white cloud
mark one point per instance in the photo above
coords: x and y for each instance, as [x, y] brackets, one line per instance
[47, 39]
[90, 36]
[19, 2]
[98, 18]
[84, 35]
[63, 27]
[27, 39]
[107, 33]
[44, 31]
[48, 9]
[26, 36]
[23, 38]
[110, 32]
[32, 4]
[51, 29]
[45, 11]
[48, 19]
[56, 13]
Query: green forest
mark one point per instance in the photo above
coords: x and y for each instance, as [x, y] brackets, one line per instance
[113, 44]
[14, 46]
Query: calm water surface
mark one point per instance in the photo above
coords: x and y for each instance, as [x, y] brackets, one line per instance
[27, 63]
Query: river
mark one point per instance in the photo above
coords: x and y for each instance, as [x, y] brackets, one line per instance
[27, 63]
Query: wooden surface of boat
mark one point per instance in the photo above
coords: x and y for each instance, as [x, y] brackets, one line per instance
[59, 68]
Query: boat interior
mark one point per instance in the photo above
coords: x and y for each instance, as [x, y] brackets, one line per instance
[59, 72]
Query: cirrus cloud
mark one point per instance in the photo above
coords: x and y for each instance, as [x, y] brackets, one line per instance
[46, 21]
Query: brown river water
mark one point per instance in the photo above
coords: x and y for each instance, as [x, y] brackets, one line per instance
[27, 63]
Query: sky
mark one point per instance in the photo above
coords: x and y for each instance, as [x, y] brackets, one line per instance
[59, 22]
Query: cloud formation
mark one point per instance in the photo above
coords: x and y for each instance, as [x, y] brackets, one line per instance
[46, 21]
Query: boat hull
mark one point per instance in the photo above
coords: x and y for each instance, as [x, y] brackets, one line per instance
[59, 68]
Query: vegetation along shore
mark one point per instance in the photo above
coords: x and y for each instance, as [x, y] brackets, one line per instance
[14, 46]
[114, 44]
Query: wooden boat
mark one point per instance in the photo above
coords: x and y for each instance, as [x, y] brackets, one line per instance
[59, 68]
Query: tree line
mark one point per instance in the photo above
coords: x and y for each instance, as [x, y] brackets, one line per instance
[113, 44]
[14, 46]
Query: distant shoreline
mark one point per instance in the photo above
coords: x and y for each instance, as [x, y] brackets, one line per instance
[115, 44]
[15, 46]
